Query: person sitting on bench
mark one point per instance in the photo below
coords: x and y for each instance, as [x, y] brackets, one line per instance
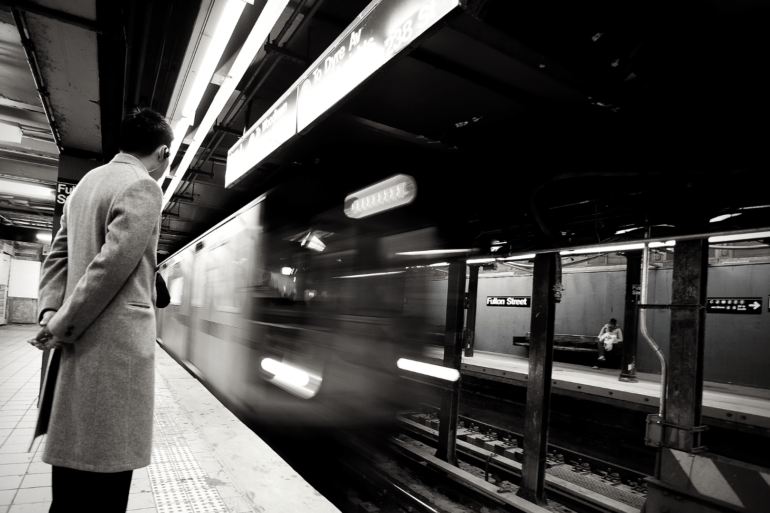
[608, 337]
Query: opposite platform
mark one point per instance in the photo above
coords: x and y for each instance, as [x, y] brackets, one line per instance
[204, 459]
[721, 401]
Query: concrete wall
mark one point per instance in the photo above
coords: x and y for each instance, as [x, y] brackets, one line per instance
[737, 346]
[22, 310]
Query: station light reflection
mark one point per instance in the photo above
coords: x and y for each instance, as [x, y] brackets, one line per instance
[368, 275]
[740, 236]
[428, 369]
[436, 252]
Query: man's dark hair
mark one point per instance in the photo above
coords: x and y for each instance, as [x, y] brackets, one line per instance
[613, 321]
[143, 131]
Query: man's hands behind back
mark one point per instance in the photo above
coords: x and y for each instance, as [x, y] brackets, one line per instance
[44, 338]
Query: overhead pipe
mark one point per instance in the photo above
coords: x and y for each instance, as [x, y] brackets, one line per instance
[139, 69]
[693, 236]
[646, 336]
[37, 76]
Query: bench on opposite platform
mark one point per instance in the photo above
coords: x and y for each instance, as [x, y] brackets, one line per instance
[585, 344]
[564, 342]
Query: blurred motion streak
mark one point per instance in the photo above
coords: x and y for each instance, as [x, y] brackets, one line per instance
[428, 369]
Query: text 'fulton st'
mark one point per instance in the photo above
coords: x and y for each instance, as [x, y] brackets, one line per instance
[511, 301]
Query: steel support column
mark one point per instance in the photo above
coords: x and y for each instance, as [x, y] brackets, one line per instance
[689, 479]
[631, 316]
[453, 351]
[688, 330]
[473, 295]
[538, 409]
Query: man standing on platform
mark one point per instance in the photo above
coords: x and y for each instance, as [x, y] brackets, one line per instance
[97, 298]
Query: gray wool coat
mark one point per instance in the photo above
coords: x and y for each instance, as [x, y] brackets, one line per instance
[99, 277]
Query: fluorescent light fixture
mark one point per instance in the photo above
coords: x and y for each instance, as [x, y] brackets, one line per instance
[367, 275]
[626, 230]
[25, 189]
[286, 373]
[202, 74]
[620, 247]
[286, 271]
[740, 236]
[43, 237]
[265, 23]
[436, 252]
[519, 257]
[722, 217]
[480, 260]
[440, 264]
[496, 248]
[428, 369]
[218, 40]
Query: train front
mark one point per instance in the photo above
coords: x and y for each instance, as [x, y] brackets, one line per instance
[339, 314]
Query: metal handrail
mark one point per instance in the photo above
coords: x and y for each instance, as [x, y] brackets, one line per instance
[646, 335]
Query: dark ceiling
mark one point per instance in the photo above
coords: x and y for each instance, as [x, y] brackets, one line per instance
[546, 123]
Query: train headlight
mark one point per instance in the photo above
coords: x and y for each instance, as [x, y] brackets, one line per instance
[286, 373]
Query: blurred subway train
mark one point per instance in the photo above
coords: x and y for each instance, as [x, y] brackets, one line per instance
[297, 313]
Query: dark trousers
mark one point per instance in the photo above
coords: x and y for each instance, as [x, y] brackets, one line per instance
[600, 347]
[89, 492]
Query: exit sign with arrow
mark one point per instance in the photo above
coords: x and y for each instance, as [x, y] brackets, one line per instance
[734, 305]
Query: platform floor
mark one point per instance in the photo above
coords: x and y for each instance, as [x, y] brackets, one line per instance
[204, 459]
[727, 402]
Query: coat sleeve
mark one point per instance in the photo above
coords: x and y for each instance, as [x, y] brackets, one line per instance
[53, 277]
[132, 219]
[604, 328]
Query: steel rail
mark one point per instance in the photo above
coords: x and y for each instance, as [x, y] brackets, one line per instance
[692, 236]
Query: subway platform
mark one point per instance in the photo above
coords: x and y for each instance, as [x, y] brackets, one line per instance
[723, 402]
[203, 459]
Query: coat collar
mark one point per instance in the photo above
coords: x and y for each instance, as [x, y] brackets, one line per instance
[125, 158]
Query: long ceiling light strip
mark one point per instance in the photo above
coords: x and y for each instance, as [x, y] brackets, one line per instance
[223, 19]
[267, 19]
[28, 190]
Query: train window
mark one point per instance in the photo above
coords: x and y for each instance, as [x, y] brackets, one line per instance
[230, 277]
[176, 284]
[200, 277]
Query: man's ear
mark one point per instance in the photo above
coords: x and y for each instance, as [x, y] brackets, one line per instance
[163, 153]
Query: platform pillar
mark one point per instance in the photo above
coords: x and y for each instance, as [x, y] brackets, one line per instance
[453, 352]
[631, 316]
[473, 296]
[538, 408]
[687, 335]
[684, 483]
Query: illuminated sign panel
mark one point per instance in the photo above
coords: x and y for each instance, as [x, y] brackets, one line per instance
[394, 192]
[373, 41]
[278, 125]
[382, 30]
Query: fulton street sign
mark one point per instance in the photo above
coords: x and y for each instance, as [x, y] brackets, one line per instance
[510, 301]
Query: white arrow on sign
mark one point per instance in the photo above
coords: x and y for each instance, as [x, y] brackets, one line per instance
[755, 305]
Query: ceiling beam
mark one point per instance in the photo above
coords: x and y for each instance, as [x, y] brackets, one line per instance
[47, 12]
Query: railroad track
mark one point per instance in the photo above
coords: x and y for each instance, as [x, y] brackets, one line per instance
[574, 489]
